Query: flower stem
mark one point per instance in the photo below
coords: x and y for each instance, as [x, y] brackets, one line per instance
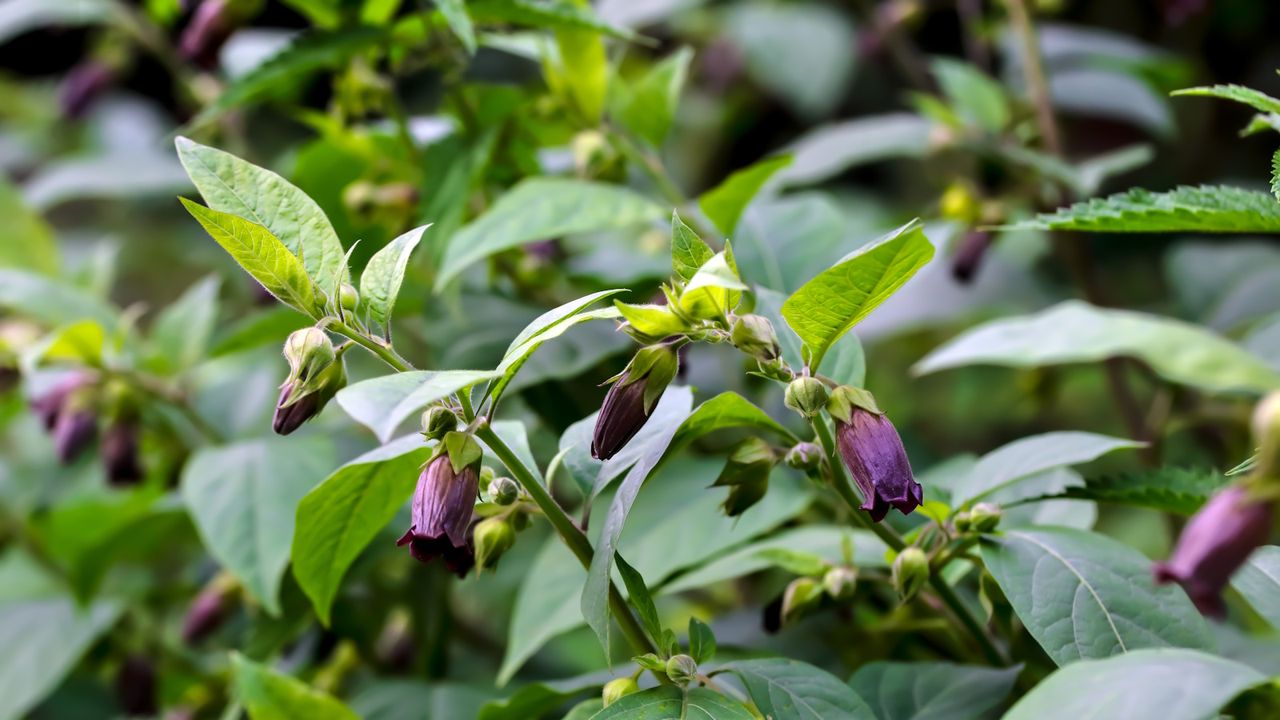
[385, 352]
[573, 537]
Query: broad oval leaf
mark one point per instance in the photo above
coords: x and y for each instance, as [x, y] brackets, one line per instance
[648, 106]
[243, 497]
[542, 208]
[688, 251]
[231, 185]
[181, 333]
[668, 703]
[1259, 583]
[1005, 466]
[933, 690]
[724, 203]
[382, 403]
[1185, 209]
[727, 410]
[261, 254]
[44, 638]
[29, 241]
[714, 290]
[829, 305]
[340, 516]
[50, 301]
[792, 690]
[1083, 596]
[269, 695]
[1164, 684]
[1076, 332]
[380, 281]
[829, 150]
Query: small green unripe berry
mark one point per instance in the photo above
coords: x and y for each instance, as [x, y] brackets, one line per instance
[754, 335]
[801, 596]
[840, 582]
[438, 421]
[681, 669]
[910, 572]
[348, 298]
[807, 396]
[493, 537]
[309, 351]
[984, 517]
[618, 688]
[503, 491]
[804, 456]
[963, 521]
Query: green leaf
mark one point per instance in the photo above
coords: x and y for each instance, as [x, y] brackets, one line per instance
[1259, 583]
[1004, 467]
[455, 14]
[262, 255]
[382, 403]
[540, 208]
[640, 598]
[405, 699]
[784, 688]
[81, 343]
[688, 251]
[1083, 596]
[1257, 100]
[181, 333]
[829, 305]
[343, 514]
[933, 690]
[552, 319]
[1180, 491]
[724, 203]
[1076, 332]
[657, 321]
[978, 99]
[44, 638]
[580, 69]
[648, 107]
[1165, 684]
[829, 150]
[669, 703]
[547, 14]
[242, 498]
[231, 185]
[20, 16]
[711, 290]
[29, 241]
[269, 695]
[1275, 174]
[795, 562]
[1184, 209]
[380, 281]
[269, 326]
[283, 72]
[727, 410]
[702, 642]
[51, 301]
[539, 698]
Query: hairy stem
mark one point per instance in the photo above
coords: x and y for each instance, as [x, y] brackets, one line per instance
[385, 352]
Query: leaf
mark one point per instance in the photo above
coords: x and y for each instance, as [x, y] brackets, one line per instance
[713, 290]
[238, 187]
[269, 695]
[1275, 174]
[45, 638]
[311, 52]
[242, 498]
[20, 16]
[784, 688]
[724, 203]
[51, 301]
[80, 343]
[1083, 596]
[640, 599]
[380, 281]
[539, 698]
[978, 99]
[548, 326]
[262, 255]
[580, 69]
[1164, 684]
[29, 241]
[828, 150]
[405, 699]
[688, 251]
[669, 703]
[595, 593]
[829, 305]
[1257, 100]
[653, 320]
[180, 335]
[455, 14]
[343, 514]
[702, 642]
[1174, 490]
[1258, 581]
[648, 106]
[727, 410]
[1076, 332]
[541, 208]
[1184, 209]
[382, 403]
[933, 690]
[1005, 466]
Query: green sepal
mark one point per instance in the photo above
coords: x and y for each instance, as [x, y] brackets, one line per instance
[463, 450]
[650, 661]
[652, 321]
[846, 397]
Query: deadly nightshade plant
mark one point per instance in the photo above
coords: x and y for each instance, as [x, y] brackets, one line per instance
[443, 503]
[872, 451]
[631, 398]
[316, 374]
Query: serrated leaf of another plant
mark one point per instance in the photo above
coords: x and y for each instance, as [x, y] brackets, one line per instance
[1184, 209]
[1259, 101]
[1175, 490]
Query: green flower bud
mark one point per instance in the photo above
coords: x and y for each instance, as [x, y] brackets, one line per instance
[840, 582]
[618, 688]
[746, 472]
[963, 521]
[1266, 434]
[348, 298]
[302, 399]
[984, 517]
[804, 456]
[681, 669]
[309, 351]
[910, 572]
[807, 396]
[503, 491]
[801, 596]
[493, 537]
[437, 421]
[754, 335]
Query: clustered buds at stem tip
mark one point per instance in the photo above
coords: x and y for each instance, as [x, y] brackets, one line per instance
[840, 582]
[631, 399]
[804, 456]
[441, 512]
[503, 491]
[806, 395]
[754, 335]
[1214, 544]
[746, 473]
[872, 451]
[802, 595]
[437, 421]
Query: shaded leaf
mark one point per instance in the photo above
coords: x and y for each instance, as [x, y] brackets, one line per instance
[932, 690]
[29, 241]
[785, 688]
[1185, 209]
[829, 150]
[380, 281]
[648, 107]
[181, 333]
[269, 695]
[51, 301]
[1259, 583]
[688, 251]
[1029, 456]
[382, 403]
[724, 203]
[1180, 491]
[45, 638]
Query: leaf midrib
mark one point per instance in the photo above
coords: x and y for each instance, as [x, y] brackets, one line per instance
[1097, 598]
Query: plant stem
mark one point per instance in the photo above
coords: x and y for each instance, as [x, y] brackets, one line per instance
[573, 537]
[891, 538]
[1033, 74]
[385, 352]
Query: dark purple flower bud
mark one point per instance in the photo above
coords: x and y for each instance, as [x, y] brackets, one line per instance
[210, 26]
[1214, 544]
[120, 453]
[136, 687]
[209, 609]
[9, 377]
[74, 431]
[442, 506]
[968, 257]
[82, 87]
[630, 400]
[870, 447]
[48, 405]
[300, 400]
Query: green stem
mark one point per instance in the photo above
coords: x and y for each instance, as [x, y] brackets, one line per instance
[385, 352]
[572, 536]
[945, 593]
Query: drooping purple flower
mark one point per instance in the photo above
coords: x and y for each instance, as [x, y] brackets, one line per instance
[301, 399]
[136, 687]
[210, 26]
[48, 405]
[873, 452]
[120, 453]
[1214, 544]
[82, 87]
[442, 506]
[631, 398]
[74, 431]
[205, 615]
[968, 258]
